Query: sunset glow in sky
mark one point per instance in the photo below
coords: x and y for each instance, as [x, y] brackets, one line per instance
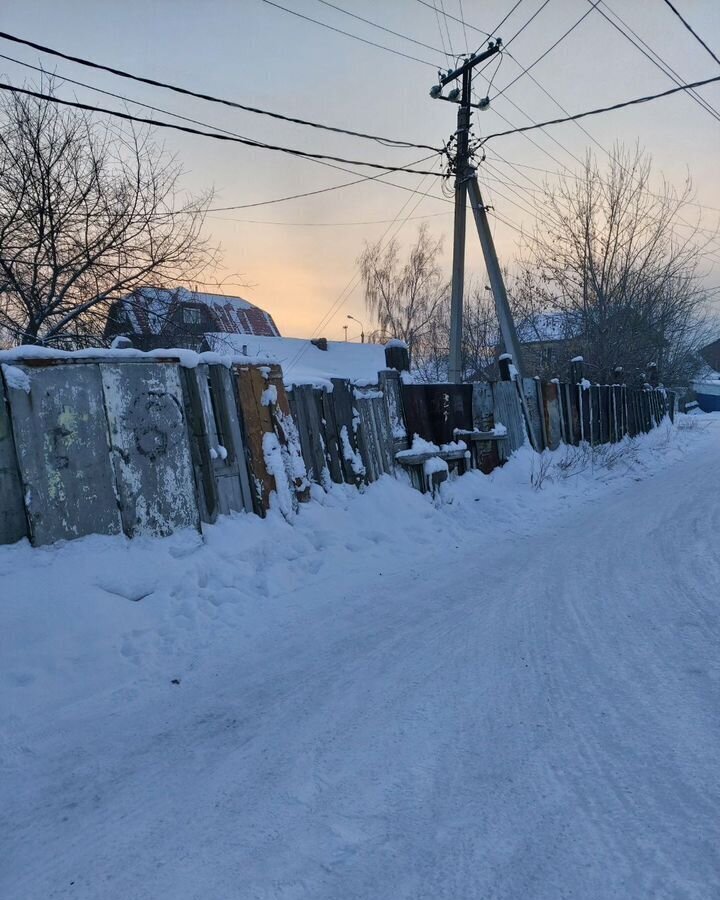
[296, 258]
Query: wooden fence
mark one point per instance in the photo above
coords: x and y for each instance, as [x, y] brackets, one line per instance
[146, 446]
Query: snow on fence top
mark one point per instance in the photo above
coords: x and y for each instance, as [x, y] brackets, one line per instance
[302, 362]
[187, 358]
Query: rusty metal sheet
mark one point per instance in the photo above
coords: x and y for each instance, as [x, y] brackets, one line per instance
[63, 451]
[275, 457]
[13, 524]
[551, 415]
[150, 448]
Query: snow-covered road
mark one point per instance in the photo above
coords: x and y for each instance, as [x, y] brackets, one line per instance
[523, 712]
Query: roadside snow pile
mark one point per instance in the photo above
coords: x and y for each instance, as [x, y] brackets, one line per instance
[92, 615]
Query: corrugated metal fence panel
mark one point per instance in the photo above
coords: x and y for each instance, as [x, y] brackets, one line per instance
[150, 447]
[63, 450]
[530, 389]
[13, 524]
[347, 424]
[217, 446]
[231, 472]
[376, 440]
[508, 412]
[306, 406]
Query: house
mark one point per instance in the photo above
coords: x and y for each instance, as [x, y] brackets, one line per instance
[158, 317]
[549, 341]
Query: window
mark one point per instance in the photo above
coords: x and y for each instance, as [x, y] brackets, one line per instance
[190, 315]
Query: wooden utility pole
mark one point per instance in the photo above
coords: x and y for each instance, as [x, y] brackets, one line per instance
[466, 184]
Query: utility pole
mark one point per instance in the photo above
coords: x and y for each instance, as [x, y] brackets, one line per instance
[466, 185]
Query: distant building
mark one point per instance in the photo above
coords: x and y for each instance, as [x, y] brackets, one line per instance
[156, 317]
[711, 354]
[548, 341]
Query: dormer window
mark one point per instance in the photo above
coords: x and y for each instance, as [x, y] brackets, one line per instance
[191, 315]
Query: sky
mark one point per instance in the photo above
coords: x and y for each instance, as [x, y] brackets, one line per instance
[298, 259]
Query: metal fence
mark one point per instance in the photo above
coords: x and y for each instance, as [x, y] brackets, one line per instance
[147, 446]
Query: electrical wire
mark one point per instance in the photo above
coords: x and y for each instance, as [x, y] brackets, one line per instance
[653, 56]
[349, 34]
[334, 187]
[545, 53]
[209, 134]
[354, 280]
[602, 109]
[187, 92]
[523, 27]
[692, 31]
[381, 27]
[455, 18]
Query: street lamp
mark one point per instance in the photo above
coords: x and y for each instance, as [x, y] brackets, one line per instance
[362, 328]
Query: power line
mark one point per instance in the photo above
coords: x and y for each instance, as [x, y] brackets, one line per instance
[209, 134]
[653, 56]
[506, 16]
[455, 18]
[122, 97]
[327, 224]
[208, 97]
[399, 34]
[352, 283]
[545, 53]
[349, 34]
[523, 27]
[602, 109]
[692, 31]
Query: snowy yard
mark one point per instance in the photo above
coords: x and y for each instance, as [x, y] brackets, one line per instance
[511, 695]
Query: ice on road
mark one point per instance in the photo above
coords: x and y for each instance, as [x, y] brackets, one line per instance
[521, 711]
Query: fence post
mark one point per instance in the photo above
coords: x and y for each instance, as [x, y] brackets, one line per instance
[504, 363]
[397, 356]
[576, 370]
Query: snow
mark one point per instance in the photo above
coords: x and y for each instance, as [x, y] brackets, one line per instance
[187, 358]
[15, 378]
[350, 455]
[396, 342]
[269, 396]
[383, 698]
[304, 363]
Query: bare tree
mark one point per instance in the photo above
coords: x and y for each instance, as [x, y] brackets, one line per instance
[606, 253]
[404, 297]
[479, 339]
[89, 213]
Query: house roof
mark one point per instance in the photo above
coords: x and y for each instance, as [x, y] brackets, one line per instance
[304, 363]
[149, 312]
[556, 326]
